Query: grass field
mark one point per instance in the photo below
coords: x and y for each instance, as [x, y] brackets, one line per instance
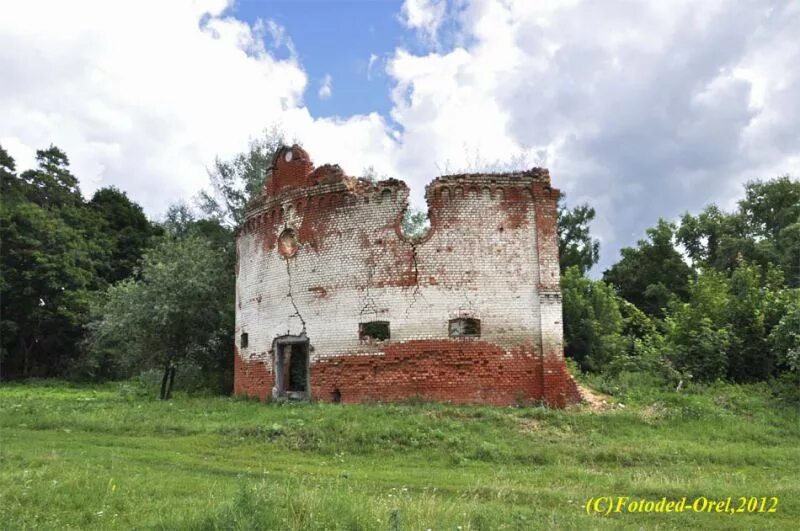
[107, 457]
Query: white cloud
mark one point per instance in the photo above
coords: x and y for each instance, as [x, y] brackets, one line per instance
[144, 95]
[425, 16]
[642, 109]
[372, 59]
[325, 87]
[280, 38]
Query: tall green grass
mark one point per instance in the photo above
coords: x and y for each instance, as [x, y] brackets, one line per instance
[110, 457]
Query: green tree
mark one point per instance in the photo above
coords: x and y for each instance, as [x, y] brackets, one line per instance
[705, 237]
[697, 332]
[593, 322]
[784, 344]
[649, 274]
[771, 211]
[51, 185]
[749, 356]
[125, 228]
[415, 223]
[180, 310]
[576, 247]
[764, 230]
[236, 181]
[698, 347]
[49, 264]
[642, 346]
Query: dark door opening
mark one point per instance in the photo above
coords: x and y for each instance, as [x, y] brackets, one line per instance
[298, 369]
[291, 368]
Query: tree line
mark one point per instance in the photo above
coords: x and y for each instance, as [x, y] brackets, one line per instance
[712, 296]
[93, 290]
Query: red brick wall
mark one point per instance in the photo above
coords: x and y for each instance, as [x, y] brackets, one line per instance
[289, 174]
[450, 370]
[545, 201]
[492, 254]
[252, 378]
[560, 389]
[460, 371]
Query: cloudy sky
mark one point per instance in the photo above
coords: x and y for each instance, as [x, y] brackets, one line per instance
[643, 109]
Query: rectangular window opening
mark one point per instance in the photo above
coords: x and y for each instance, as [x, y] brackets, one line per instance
[244, 340]
[464, 327]
[376, 330]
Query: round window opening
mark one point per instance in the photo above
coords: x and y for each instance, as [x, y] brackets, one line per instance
[287, 243]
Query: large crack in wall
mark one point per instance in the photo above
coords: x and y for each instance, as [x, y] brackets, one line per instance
[368, 301]
[415, 269]
[291, 297]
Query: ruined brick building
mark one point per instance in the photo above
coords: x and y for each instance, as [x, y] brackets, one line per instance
[334, 302]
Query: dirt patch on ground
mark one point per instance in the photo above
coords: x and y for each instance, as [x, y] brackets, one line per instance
[595, 400]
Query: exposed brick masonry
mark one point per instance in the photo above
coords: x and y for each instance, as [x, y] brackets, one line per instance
[321, 252]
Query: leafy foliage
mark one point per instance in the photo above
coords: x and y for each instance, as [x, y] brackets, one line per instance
[51, 256]
[724, 317]
[592, 320]
[178, 311]
[649, 274]
[236, 181]
[784, 344]
[765, 230]
[51, 185]
[415, 223]
[576, 247]
[125, 228]
[697, 335]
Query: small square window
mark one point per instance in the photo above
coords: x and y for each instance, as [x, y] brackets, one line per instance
[464, 327]
[377, 330]
[244, 340]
